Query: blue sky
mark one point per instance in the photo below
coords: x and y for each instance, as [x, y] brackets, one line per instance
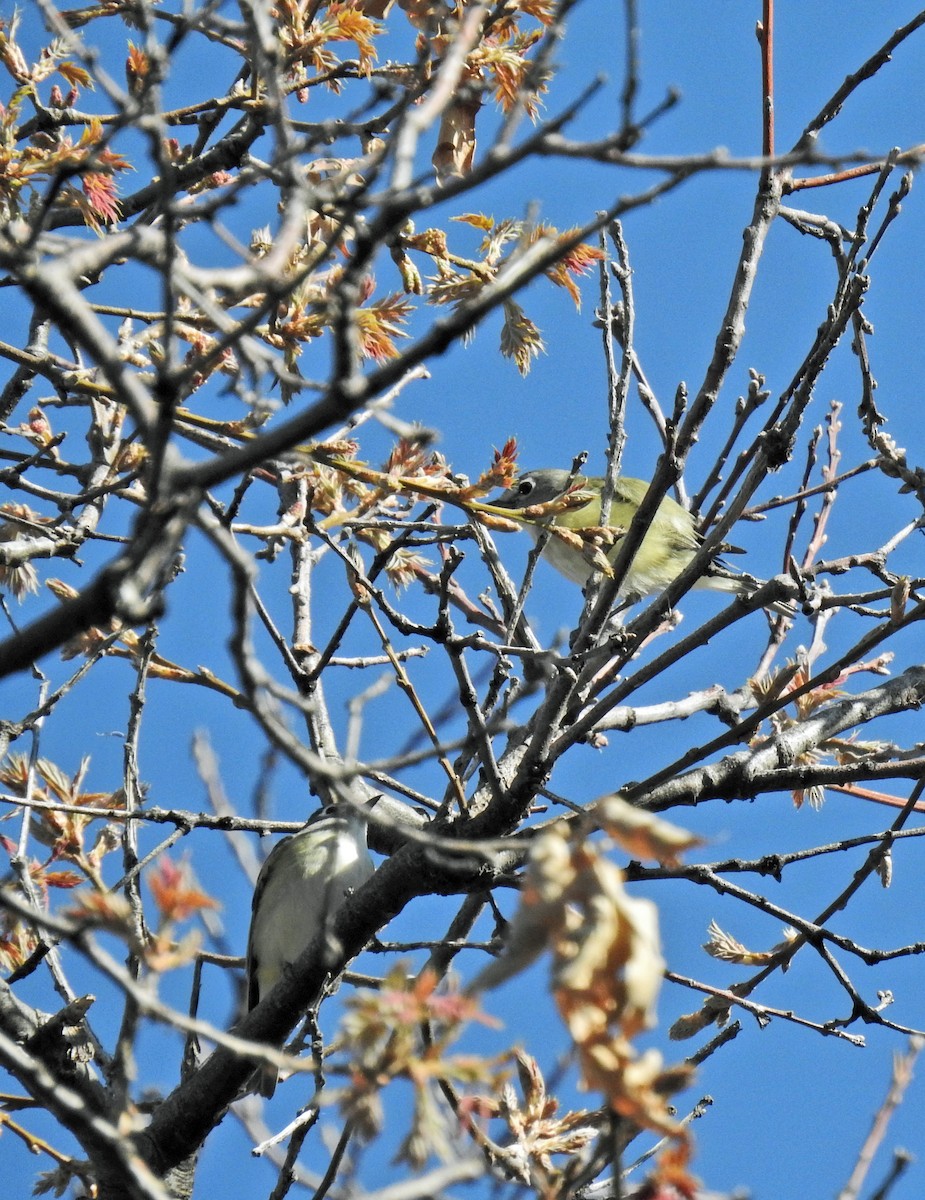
[795, 1130]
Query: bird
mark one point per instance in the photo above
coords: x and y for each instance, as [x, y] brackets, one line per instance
[669, 544]
[303, 882]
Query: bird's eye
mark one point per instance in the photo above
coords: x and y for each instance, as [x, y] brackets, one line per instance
[525, 487]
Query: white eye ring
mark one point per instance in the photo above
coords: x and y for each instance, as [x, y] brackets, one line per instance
[525, 487]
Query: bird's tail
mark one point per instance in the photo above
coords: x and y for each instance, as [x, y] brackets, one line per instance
[723, 579]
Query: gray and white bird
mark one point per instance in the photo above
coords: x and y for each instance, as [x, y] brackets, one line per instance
[303, 882]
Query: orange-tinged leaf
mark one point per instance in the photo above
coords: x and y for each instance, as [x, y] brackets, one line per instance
[542, 10]
[479, 220]
[379, 325]
[76, 76]
[63, 879]
[580, 259]
[137, 69]
[174, 893]
[101, 908]
[501, 473]
[520, 337]
[351, 24]
[16, 945]
[101, 191]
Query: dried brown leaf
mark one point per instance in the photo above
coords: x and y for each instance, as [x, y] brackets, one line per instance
[643, 834]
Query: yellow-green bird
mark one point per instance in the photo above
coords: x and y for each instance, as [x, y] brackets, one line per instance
[669, 545]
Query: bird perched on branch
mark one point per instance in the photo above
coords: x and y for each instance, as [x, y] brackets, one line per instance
[572, 503]
[303, 882]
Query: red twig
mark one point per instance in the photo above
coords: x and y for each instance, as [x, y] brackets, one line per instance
[765, 33]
